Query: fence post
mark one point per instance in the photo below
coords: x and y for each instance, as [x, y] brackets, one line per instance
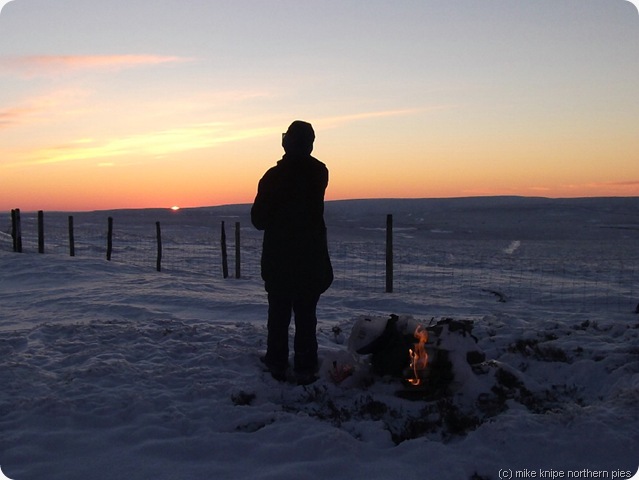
[13, 228]
[109, 239]
[158, 234]
[389, 254]
[237, 250]
[71, 237]
[225, 260]
[40, 231]
[16, 230]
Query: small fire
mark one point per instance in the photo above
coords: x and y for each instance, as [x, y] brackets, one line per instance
[340, 372]
[418, 355]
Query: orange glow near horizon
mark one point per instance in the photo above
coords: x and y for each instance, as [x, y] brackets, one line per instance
[181, 167]
[101, 195]
[216, 163]
[211, 164]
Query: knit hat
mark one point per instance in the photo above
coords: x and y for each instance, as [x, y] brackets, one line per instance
[299, 137]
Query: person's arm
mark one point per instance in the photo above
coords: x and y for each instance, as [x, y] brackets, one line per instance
[261, 206]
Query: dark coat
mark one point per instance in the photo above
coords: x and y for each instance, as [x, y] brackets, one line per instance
[289, 207]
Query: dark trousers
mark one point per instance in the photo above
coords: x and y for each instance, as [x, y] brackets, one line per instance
[280, 308]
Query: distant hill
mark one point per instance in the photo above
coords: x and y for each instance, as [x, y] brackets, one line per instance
[497, 217]
[500, 217]
[471, 218]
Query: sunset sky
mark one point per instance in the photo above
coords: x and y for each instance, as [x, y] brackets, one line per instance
[155, 103]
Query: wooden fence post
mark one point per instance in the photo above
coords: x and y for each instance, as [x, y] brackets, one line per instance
[40, 231]
[109, 239]
[237, 250]
[389, 254]
[16, 230]
[158, 232]
[71, 237]
[225, 260]
[13, 229]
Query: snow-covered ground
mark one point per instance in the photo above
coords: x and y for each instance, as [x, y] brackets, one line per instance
[113, 370]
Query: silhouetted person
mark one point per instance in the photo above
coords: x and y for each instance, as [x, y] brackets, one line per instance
[296, 267]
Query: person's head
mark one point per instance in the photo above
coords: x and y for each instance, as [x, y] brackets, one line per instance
[299, 138]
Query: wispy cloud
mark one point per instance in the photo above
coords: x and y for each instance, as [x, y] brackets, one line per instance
[627, 183]
[42, 65]
[153, 144]
[595, 185]
[14, 116]
[622, 188]
[331, 122]
[40, 107]
[164, 142]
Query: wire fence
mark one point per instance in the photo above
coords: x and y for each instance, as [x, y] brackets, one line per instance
[541, 273]
[571, 274]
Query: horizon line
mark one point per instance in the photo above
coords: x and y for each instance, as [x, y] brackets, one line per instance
[176, 208]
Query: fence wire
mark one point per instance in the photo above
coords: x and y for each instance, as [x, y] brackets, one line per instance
[574, 275]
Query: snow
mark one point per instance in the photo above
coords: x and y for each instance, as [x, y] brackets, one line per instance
[113, 370]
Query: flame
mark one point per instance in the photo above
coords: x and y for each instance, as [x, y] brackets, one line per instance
[339, 373]
[418, 355]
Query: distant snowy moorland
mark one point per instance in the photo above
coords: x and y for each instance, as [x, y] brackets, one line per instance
[114, 370]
